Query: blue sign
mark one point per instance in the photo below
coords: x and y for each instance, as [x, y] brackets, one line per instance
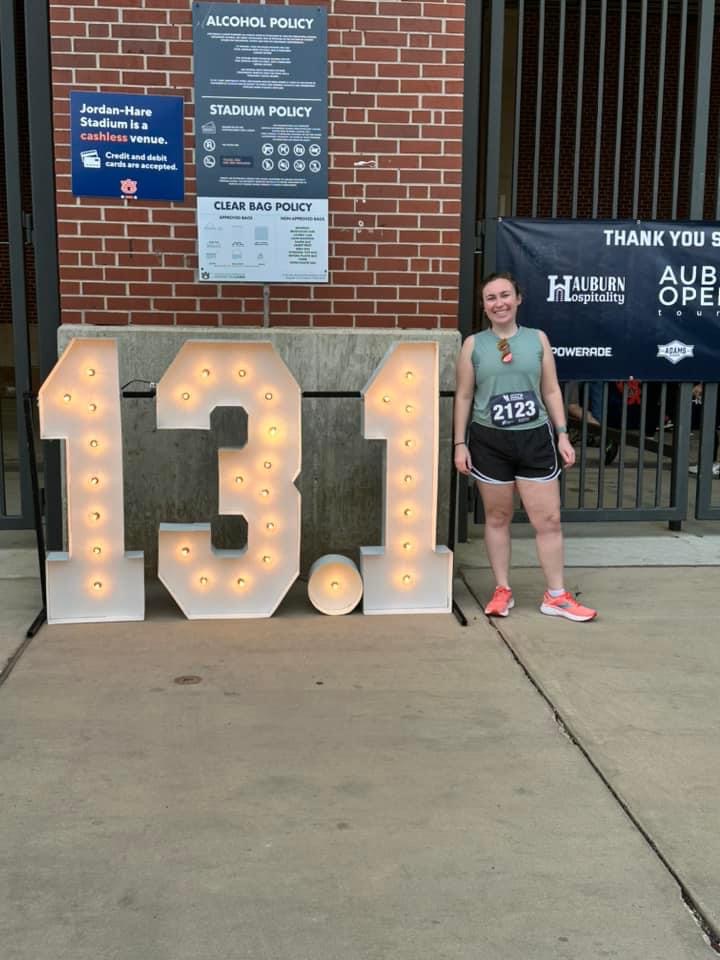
[620, 299]
[127, 146]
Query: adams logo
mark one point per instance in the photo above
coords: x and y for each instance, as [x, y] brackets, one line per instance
[675, 351]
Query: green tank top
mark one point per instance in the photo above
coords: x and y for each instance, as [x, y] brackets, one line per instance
[495, 380]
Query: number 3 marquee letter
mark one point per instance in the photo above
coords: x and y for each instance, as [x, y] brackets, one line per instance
[256, 481]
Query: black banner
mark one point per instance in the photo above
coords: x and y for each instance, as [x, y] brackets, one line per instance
[620, 299]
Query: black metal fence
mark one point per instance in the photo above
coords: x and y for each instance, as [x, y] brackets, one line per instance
[29, 301]
[600, 109]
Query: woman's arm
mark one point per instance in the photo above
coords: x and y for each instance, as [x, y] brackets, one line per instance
[464, 392]
[553, 400]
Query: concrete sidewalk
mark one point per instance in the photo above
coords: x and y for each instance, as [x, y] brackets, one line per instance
[370, 788]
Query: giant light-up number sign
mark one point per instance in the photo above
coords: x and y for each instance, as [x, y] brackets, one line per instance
[95, 580]
[409, 573]
[255, 480]
[79, 403]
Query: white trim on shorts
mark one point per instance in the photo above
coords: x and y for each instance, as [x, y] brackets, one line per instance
[554, 474]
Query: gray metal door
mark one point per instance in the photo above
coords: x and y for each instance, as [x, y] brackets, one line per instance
[29, 310]
[595, 109]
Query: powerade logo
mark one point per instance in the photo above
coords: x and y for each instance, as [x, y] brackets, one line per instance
[591, 288]
[675, 351]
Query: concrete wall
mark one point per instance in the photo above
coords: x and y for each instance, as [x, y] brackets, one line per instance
[171, 475]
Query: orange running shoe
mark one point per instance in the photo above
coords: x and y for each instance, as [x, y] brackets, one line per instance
[566, 606]
[501, 604]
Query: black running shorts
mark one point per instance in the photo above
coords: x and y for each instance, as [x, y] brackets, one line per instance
[504, 456]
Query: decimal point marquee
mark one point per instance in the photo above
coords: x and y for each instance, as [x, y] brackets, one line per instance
[95, 580]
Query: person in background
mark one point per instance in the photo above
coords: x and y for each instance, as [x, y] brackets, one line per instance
[508, 411]
[697, 399]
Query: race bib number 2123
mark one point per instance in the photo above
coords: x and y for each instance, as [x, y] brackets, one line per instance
[513, 409]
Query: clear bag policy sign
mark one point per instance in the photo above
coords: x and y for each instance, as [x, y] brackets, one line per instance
[261, 142]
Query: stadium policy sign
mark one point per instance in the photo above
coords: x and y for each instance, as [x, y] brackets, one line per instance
[620, 299]
[94, 579]
[261, 120]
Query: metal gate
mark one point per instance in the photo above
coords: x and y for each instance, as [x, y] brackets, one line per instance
[29, 310]
[598, 109]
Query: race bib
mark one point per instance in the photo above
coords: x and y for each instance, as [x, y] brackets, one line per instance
[512, 409]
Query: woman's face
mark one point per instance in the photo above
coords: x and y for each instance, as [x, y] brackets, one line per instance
[500, 301]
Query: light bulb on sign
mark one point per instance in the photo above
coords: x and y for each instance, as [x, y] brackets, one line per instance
[267, 465]
[407, 579]
[97, 585]
[239, 479]
[95, 516]
[185, 551]
[269, 525]
[273, 431]
[203, 581]
[92, 407]
[386, 399]
[97, 551]
[94, 444]
[185, 395]
[94, 481]
[267, 559]
[407, 545]
[242, 374]
[335, 585]
[408, 478]
[268, 396]
[264, 492]
[205, 373]
[407, 512]
[409, 443]
[67, 397]
[409, 408]
[240, 582]
[409, 375]
[90, 371]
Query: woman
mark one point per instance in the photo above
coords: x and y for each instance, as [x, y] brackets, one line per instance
[506, 378]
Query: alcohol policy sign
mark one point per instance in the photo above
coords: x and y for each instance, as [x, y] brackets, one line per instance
[261, 142]
[620, 299]
[127, 146]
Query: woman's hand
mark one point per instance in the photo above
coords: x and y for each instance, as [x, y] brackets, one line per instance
[463, 463]
[566, 450]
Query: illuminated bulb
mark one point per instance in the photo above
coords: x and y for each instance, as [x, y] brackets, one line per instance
[97, 551]
[334, 585]
[407, 545]
[94, 481]
[409, 374]
[407, 478]
[95, 515]
[92, 407]
[97, 585]
[267, 559]
[203, 580]
[67, 397]
[409, 443]
[409, 408]
[240, 582]
[185, 551]
[205, 373]
[185, 395]
[270, 525]
[239, 479]
[407, 578]
[242, 373]
[264, 492]
[386, 399]
[90, 372]
[407, 511]
[268, 396]
[93, 443]
[267, 464]
[272, 431]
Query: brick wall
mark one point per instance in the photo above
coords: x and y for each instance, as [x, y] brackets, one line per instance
[395, 90]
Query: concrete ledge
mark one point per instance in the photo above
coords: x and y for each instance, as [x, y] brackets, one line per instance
[171, 476]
